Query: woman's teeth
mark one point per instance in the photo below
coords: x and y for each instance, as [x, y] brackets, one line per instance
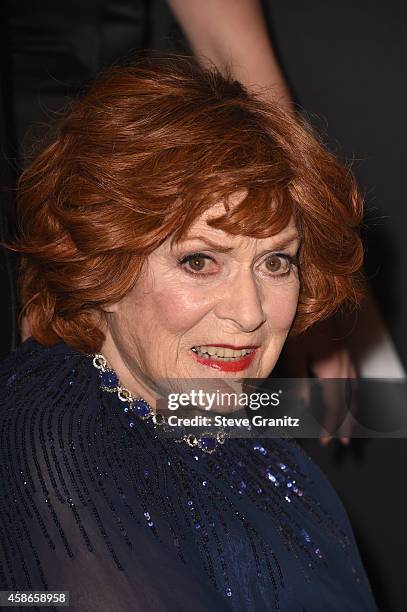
[227, 354]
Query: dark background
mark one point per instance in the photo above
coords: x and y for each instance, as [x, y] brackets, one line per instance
[346, 64]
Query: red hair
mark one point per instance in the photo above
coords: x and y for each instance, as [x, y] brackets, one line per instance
[139, 158]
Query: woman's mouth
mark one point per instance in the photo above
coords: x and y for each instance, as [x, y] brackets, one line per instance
[224, 357]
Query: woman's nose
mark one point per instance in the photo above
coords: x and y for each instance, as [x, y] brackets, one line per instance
[241, 302]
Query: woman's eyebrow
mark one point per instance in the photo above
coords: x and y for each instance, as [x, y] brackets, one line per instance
[214, 245]
[284, 242]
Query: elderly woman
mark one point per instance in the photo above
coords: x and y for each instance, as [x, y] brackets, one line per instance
[161, 228]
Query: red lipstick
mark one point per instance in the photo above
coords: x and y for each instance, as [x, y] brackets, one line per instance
[235, 365]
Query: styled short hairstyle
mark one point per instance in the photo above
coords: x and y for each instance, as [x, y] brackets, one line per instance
[139, 158]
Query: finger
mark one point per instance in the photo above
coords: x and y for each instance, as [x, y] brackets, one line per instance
[325, 440]
[332, 372]
[304, 391]
[348, 424]
[334, 404]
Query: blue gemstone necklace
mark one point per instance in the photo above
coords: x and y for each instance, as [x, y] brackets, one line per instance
[139, 407]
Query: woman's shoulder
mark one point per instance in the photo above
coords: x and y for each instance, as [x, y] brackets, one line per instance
[30, 355]
[35, 377]
[44, 393]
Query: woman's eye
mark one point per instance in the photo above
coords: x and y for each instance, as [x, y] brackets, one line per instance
[197, 263]
[278, 265]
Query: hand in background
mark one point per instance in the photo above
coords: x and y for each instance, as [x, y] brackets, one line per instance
[320, 351]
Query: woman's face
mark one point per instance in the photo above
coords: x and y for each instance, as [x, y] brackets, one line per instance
[213, 305]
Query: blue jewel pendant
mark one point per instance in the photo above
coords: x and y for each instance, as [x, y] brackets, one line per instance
[141, 408]
[109, 380]
[207, 443]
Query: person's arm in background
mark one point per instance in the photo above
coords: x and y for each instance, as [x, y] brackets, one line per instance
[233, 33]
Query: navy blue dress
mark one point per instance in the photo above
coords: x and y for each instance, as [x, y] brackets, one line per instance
[128, 520]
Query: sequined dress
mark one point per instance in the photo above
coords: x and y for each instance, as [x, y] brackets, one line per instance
[128, 520]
